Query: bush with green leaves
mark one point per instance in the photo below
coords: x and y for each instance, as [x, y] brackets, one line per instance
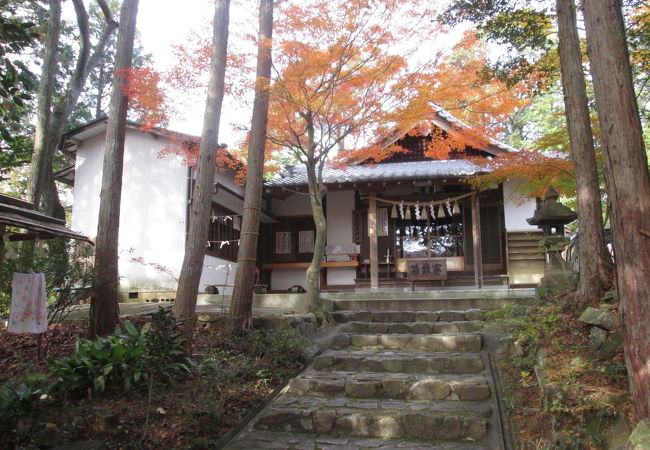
[165, 352]
[110, 361]
[118, 361]
[18, 401]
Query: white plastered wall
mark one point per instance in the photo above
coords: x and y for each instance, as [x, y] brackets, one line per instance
[219, 272]
[283, 279]
[294, 205]
[152, 212]
[517, 208]
[340, 207]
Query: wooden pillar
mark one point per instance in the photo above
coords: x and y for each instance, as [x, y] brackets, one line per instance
[372, 234]
[3, 229]
[476, 240]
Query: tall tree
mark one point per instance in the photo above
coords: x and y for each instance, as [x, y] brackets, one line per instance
[526, 30]
[53, 110]
[596, 269]
[628, 185]
[242, 298]
[350, 85]
[188, 285]
[103, 305]
[17, 82]
[41, 157]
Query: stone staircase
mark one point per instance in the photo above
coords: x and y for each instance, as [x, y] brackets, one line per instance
[400, 375]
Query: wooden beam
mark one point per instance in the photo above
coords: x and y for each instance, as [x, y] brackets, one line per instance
[372, 234]
[476, 241]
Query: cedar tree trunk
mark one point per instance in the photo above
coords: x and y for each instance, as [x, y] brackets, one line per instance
[628, 184]
[596, 270]
[188, 284]
[242, 298]
[103, 306]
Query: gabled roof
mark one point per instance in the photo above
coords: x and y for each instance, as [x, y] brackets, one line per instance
[450, 124]
[360, 172]
[411, 170]
[71, 139]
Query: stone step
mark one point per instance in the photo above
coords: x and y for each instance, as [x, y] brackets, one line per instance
[416, 304]
[257, 439]
[464, 326]
[396, 316]
[382, 419]
[448, 342]
[394, 386]
[399, 361]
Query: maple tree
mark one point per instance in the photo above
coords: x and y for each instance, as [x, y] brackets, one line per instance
[350, 74]
[533, 171]
[526, 31]
[354, 83]
[147, 99]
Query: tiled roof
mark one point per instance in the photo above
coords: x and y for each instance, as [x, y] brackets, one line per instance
[412, 170]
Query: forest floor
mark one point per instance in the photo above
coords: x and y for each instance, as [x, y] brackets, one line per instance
[559, 392]
[232, 374]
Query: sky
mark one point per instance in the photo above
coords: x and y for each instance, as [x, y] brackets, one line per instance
[162, 24]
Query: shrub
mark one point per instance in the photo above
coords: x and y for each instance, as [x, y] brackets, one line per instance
[18, 401]
[164, 355]
[122, 359]
[110, 361]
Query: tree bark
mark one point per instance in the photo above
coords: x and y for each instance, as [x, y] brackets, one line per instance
[372, 235]
[317, 191]
[241, 308]
[628, 184]
[316, 194]
[596, 271]
[44, 105]
[100, 91]
[188, 285]
[50, 122]
[103, 306]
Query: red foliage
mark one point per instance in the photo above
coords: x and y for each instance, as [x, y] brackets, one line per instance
[146, 98]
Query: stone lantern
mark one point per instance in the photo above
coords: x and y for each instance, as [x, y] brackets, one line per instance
[551, 219]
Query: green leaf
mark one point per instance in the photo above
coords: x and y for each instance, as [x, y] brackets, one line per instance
[130, 328]
[100, 383]
[145, 328]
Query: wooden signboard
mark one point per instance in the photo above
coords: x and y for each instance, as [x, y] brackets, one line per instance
[426, 269]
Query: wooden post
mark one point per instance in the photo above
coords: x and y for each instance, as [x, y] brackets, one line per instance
[3, 229]
[372, 234]
[476, 240]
